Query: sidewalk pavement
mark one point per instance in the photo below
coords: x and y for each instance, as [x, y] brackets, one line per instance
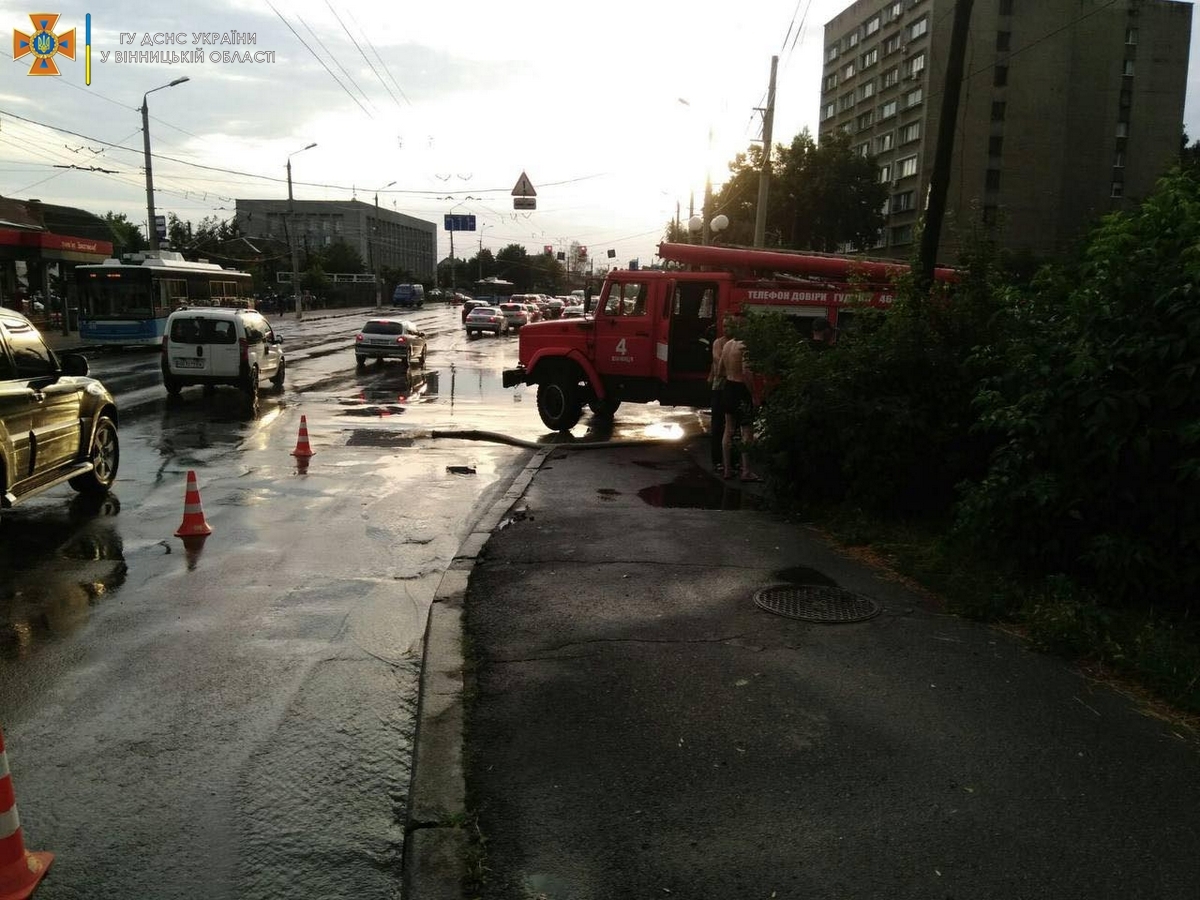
[627, 722]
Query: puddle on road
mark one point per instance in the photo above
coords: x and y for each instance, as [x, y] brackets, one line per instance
[697, 489]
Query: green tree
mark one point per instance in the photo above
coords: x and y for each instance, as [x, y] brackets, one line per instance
[830, 195]
[819, 198]
[127, 237]
[341, 258]
[513, 265]
[1189, 154]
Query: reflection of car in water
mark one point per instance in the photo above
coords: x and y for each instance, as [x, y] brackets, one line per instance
[51, 585]
[398, 388]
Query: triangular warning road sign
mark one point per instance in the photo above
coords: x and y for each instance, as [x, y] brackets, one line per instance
[523, 187]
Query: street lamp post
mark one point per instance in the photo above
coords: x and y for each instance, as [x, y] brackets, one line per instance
[377, 266]
[151, 228]
[479, 256]
[292, 237]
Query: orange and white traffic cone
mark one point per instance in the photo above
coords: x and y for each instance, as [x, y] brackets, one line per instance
[193, 524]
[303, 449]
[20, 870]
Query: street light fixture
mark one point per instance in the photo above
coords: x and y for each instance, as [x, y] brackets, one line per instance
[151, 228]
[292, 236]
[377, 265]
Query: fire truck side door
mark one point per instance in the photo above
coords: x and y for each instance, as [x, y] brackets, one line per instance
[624, 331]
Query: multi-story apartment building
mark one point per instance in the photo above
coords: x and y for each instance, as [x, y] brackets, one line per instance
[1069, 109]
[382, 237]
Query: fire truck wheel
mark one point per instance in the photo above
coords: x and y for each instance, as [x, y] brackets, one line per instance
[606, 408]
[558, 402]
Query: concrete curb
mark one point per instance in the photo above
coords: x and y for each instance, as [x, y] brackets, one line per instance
[435, 842]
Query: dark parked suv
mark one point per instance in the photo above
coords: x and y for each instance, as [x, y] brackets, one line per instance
[56, 424]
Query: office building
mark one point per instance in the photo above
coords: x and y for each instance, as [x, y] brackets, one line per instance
[1068, 110]
[383, 238]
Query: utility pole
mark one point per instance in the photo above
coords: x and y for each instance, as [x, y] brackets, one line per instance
[764, 177]
[939, 179]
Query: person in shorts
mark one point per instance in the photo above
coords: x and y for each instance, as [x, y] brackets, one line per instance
[739, 407]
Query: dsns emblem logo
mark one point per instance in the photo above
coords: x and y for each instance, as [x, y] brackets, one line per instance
[43, 44]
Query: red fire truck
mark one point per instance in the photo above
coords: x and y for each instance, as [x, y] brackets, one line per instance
[646, 338]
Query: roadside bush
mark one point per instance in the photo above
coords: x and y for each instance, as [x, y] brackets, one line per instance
[884, 420]
[1093, 406]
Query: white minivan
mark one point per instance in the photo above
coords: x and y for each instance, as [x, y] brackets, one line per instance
[221, 345]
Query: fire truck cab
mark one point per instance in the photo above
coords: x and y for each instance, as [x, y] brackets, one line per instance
[647, 337]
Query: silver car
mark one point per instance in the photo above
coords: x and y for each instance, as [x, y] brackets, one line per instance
[486, 318]
[516, 314]
[389, 338]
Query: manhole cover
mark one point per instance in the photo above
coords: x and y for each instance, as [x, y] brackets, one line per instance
[816, 603]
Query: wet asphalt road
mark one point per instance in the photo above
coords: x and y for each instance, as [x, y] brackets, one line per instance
[235, 720]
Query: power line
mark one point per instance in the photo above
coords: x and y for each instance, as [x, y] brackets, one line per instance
[336, 61]
[380, 58]
[362, 53]
[318, 59]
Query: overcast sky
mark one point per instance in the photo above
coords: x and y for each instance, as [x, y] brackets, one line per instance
[607, 107]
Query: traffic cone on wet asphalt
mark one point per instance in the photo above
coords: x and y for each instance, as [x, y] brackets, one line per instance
[303, 449]
[20, 870]
[193, 524]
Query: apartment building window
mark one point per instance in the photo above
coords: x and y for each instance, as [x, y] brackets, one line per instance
[872, 26]
[852, 40]
[847, 128]
[830, 82]
[866, 119]
[1118, 189]
[1128, 70]
[848, 72]
[831, 53]
[1119, 160]
[894, 11]
[846, 101]
[885, 174]
[995, 145]
[1131, 35]
[888, 109]
[885, 142]
[906, 167]
[1003, 40]
[1122, 129]
[902, 202]
[902, 234]
[1006, 7]
[1000, 76]
[867, 90]
[891, 76]
[886, 209]
[910, 132]
[991, 180]
[827, 112]
[998, 109]
[870, 58]
[891, 45]
[863, 149]
[917, 29]
[915, 66]
[913, 97]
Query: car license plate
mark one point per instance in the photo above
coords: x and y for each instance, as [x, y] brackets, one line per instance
[188, 363]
